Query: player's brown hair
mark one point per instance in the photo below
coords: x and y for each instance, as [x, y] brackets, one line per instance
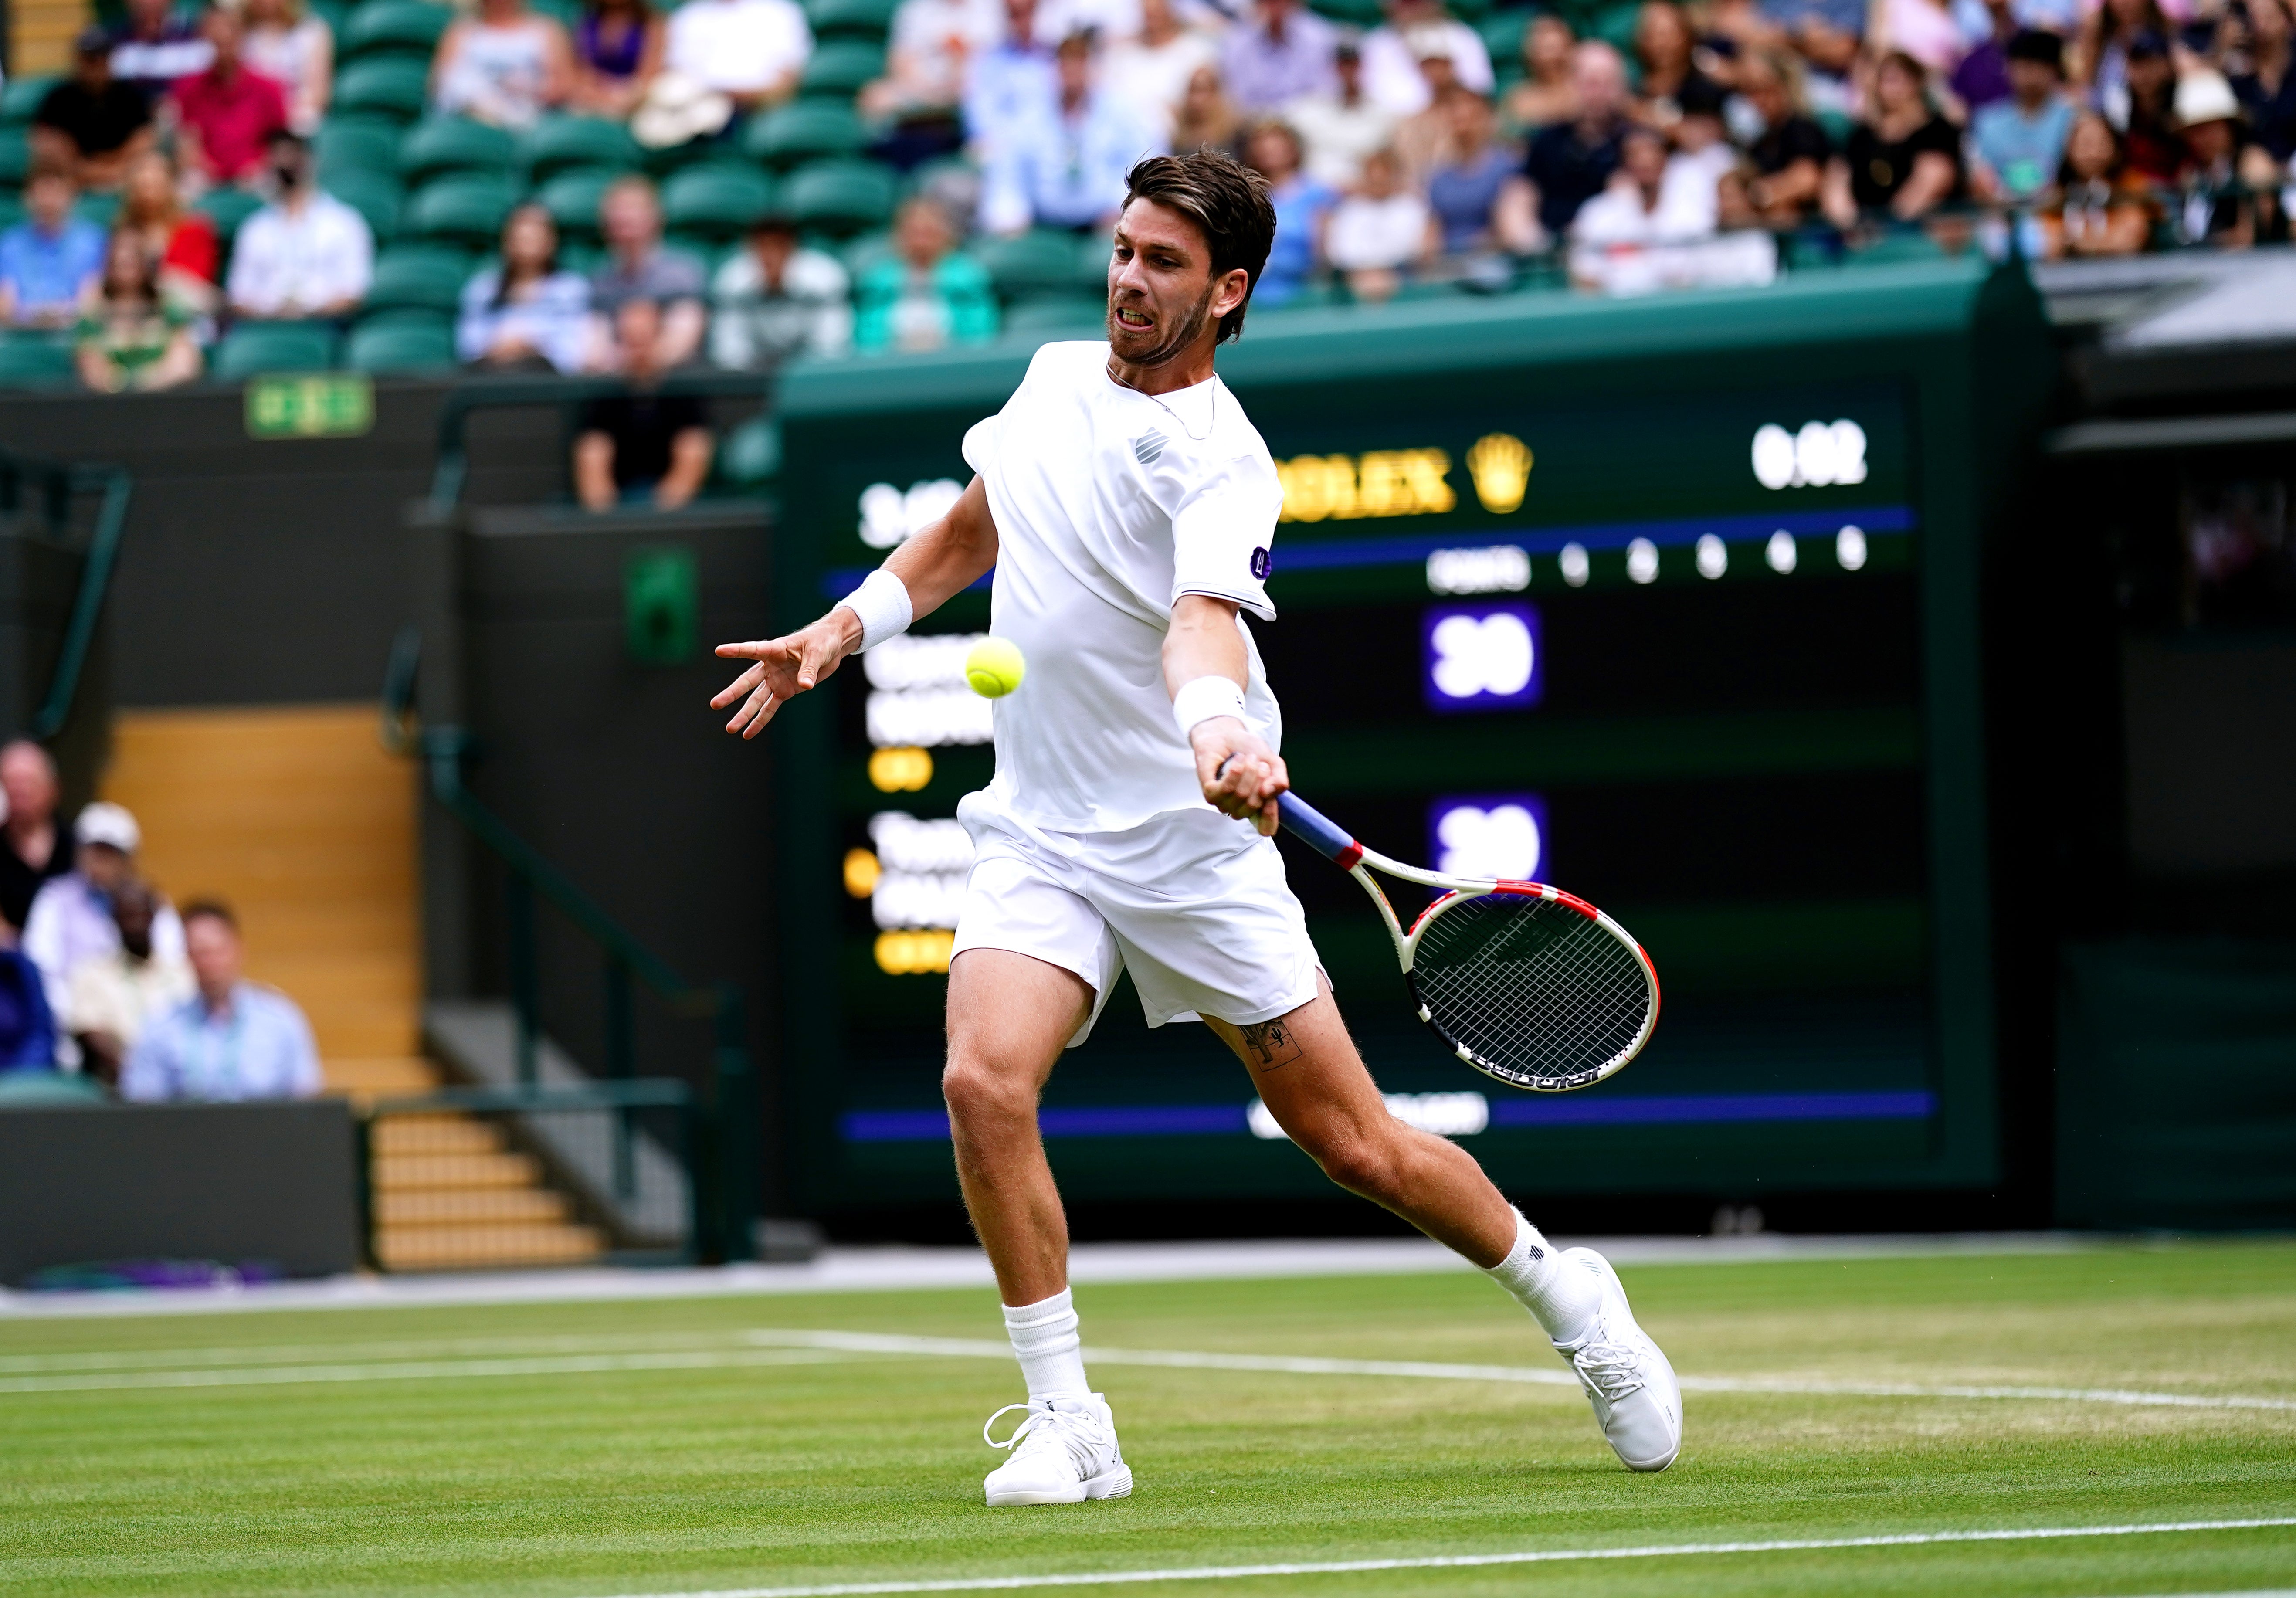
[1229, 205]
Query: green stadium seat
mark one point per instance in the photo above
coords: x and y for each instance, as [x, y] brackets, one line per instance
[419, 277]
[399, 347]
[558, 142]
[19, 99]
[362, 144]
[258, 346]
[394, 86]
[751, 453]
[229, 209]
[1503, 32]
[34, 361]
[374, 195]
[1355, 14]
[870, 19]
[15, 157]
[841, 197]
[1039, 261]
[1895, 248]
[1614, 24]
[572, 198]
[463, 207]
[440, 145]
[567, 13]
[715, 202]
[12, 210]
[1056, 312]
[99, 209]
[404, 29]
[704, 252]
[840, 68]
[1470, 12]
[809, 130]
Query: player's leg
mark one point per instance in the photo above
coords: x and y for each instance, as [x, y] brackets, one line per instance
[1010, 1015]
[1315, 1083]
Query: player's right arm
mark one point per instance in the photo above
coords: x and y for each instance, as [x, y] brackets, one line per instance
[943, 558]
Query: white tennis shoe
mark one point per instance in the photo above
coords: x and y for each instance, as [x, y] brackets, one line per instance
[1063, 1452]
[1637, 1402]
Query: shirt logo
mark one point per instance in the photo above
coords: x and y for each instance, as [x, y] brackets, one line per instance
[1262, 564]
[1147, 447]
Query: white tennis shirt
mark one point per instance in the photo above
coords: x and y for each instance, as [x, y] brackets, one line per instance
[1110, 505]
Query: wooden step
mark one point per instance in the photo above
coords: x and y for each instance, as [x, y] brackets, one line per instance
[394, 1172]
[380, 1074]
[436, 1134]
[471, 1247]
[460, 1207]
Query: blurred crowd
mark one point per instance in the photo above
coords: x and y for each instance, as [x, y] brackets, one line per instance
[172, 190]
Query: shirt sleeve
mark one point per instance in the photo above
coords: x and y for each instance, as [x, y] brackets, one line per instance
[1222, 531]
[143, 1078]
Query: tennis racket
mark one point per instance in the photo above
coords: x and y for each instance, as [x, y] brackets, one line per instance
[1524, 982]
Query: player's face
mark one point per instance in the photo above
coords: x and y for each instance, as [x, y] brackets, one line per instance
[1161, 293]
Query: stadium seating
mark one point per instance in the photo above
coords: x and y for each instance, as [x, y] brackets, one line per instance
[442, 144]
[394, 29]
[805, 131]
[260, 347]
[20, 97]
[35, 360]
[229, 209]
[841, 197]
[868, 20]
[464, 208]
[386, 86]
[840, 68]
[571, 198]
[559, 143]
[751, 453]
[358, 143]
[399, 342]
[375, 196]
[716, 202]
[15, 157]
[424, 277]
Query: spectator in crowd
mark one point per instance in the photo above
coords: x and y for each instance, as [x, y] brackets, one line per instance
[2260, 75]
[2099, 60]
[225, 116]
[92, 123]
[1791, 153]
[153, 48]
[525, 312]
[1468, 177]
[1340, 129]
[131, 335]
[28, 1028]
[2016, 144]
[233, 1040]
[1663, 50]
[1702, 134]
[1826, 38]
[1381, 233]
[31, 848]
[1639, 208]
[1281, 51]
[1922, 29]
[1008, 85]
[1303, 208]
[505, 65]
[1415, 31]
[2101, 208]
[305, 254]
[71, 920]
[618, 48]
[1208, 118]
[1420, 136]
[2213, 203]
[295, 50]
[926, 294]
[933, 46]
[1981, 77]
[1571, 162]
[1544, 95]
[643, 443]
[776, 299]
[180, 242]
[1903, 160]
[113, 997]
[2150, 139]
[1067, 167]
[48, 261]
[1151, 69]
[751, 51]
[637, 267]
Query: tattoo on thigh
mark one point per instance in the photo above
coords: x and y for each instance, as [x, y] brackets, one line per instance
[1268, 1044]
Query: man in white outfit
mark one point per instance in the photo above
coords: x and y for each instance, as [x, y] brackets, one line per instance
[1126, 506]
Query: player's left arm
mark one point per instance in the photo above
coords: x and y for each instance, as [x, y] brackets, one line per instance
[1240, 775]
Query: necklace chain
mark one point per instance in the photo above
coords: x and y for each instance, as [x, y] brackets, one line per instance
[1210, 400]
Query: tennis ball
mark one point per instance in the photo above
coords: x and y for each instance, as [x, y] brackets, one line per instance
[994, 667]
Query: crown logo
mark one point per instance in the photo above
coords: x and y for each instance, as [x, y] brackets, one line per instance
[1500, 464]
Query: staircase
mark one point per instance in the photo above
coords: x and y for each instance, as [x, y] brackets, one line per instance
[297, 818]
[40, 34]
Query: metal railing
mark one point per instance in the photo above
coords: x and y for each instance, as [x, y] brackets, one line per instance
[57, 485]
[731, 1148]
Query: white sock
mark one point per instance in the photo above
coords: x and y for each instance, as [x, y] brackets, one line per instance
[1051, 1354]
[1560, 1298]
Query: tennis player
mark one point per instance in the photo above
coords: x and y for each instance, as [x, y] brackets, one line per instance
[1126, 506]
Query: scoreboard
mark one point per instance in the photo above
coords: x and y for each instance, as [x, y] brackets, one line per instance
[1673, 604]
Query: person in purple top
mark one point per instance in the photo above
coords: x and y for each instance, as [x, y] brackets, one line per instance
[617, 51]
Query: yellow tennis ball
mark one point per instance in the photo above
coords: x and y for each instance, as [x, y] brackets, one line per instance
[994, 667]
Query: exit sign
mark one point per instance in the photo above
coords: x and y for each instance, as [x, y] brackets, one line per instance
[317, 404]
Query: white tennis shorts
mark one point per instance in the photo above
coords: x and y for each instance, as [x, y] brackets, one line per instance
[1192, 904]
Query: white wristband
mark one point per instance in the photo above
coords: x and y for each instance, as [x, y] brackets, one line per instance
[1202, 699]
[881, 601]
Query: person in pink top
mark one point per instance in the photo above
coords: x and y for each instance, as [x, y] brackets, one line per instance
[227, 113]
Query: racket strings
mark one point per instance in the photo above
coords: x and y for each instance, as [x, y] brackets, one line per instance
[1537, 993]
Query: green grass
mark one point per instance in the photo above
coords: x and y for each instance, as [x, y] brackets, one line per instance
[861, 1468]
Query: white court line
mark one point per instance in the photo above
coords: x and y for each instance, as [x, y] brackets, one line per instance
[1462, 1561]
[135, 1359]
[414, 1371]
[870, 1342]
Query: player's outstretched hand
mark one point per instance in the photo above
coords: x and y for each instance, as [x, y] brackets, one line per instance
[786, 667]
[1240, 775]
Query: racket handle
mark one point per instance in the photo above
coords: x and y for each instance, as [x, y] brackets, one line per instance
[1310, 826]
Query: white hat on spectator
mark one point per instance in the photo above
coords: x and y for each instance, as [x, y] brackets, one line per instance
[106, 823]
[677, 111]
[2203, 95]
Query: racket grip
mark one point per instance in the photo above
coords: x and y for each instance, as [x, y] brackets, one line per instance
[1311, 827]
